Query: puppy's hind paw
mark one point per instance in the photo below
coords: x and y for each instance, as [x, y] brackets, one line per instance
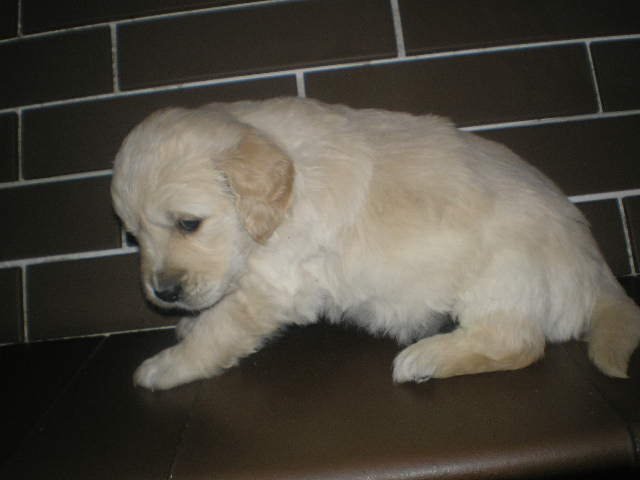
[408, 366]
[166, 370]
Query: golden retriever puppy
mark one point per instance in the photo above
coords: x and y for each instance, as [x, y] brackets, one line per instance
[255, 215]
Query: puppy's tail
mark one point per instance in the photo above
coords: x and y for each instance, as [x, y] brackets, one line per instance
[614, 334]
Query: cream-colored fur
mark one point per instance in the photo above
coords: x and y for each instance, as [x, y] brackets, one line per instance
[385, 219]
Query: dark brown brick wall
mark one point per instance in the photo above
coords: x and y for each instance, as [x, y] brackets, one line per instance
[8, 19]
[470, 89]
[98, 295]
[438, 25]
[558, 82]
[8, 147]
[617, 65]
[583, 157]
[51, 145]
[55, 67]
[39, 16]
[57, 218]
[265, 38]
[10, 305]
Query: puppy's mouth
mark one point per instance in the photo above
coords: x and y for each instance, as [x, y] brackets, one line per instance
[183, 300]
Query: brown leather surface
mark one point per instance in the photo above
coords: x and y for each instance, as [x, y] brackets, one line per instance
[318, 403]
[32, 378]
[99, 426]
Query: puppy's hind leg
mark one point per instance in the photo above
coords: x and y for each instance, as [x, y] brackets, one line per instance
[500, 341]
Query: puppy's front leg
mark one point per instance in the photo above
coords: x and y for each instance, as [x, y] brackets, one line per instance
[184, 326]
[221, 336]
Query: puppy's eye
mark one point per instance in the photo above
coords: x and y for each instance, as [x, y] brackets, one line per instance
[188, 225]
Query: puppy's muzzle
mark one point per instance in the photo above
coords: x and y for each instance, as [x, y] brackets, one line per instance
[169, 295]
[168, 289]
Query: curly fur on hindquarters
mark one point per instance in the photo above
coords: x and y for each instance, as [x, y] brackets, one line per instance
[392, 220]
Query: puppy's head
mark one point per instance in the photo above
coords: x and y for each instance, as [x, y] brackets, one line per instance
[199, 190]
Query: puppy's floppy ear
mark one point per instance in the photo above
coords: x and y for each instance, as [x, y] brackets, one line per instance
[261, 177]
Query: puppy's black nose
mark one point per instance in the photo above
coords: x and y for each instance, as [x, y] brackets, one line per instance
[169, 295]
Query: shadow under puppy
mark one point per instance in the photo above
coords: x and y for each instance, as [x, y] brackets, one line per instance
[262, 214]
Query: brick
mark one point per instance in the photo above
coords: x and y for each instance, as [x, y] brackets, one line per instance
[487, 88]
[38, 16]
[8, 18]
[581, 157]
[86, 297]
[439, 25]
[54, 67]
[86, 136]
[10, 305]
[57, 218]
[617, 66]
[607, 228]
[8, 147]
[250, 40]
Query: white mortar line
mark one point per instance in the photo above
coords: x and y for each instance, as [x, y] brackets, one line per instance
[594, 77]
[627, 236]
[58, 178]
[250, 5]
[25, 303]
[397, 28]
[296, 73]
[114, 57]
[123, 238]
[19, 26]
[476, 128]
[615, 195]
[159, 89]
[300, 85]
[51, 33]
[19, 147]
[145, 18]
[65, 257]
[551, 120]
[205, 10]
[315, 69]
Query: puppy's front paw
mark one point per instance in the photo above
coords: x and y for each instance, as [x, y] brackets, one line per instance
[167, 369]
